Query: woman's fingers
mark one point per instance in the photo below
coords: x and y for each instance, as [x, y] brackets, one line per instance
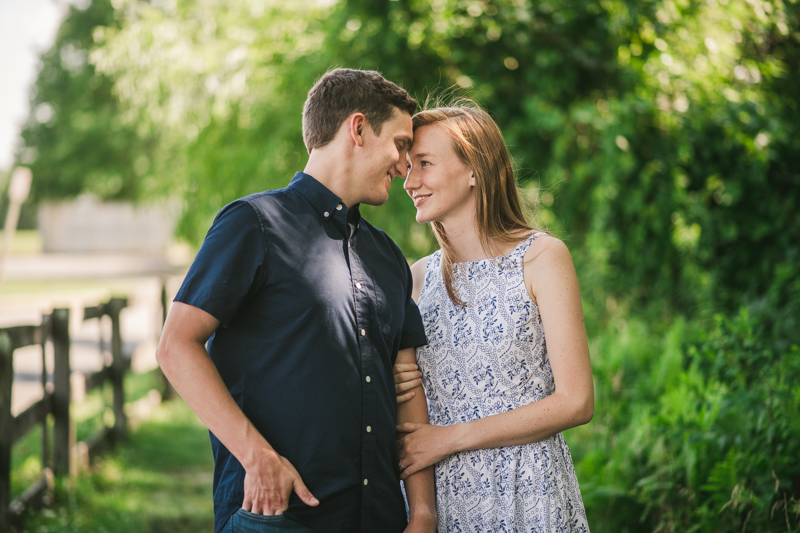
[404, 367]
[408, 427]
[407, 376]
[409, 470]
[407, 385]
[405, 397]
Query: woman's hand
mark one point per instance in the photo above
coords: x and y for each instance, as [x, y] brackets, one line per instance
[422, 445]
[406, 377]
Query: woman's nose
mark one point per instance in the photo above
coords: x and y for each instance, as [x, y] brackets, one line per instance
[411, 179]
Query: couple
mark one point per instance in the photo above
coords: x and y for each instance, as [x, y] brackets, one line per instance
[312, 328]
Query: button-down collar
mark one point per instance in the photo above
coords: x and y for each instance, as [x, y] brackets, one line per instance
[326, 203]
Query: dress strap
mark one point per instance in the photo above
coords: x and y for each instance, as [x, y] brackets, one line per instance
[432, 269]
[519, 251]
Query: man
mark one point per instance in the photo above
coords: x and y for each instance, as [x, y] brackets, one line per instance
[304, 306]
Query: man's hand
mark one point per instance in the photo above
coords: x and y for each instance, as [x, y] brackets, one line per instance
[269, 482]
[406, 377]
[422, 446]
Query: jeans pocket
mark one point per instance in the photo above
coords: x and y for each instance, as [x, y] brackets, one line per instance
[247, 522]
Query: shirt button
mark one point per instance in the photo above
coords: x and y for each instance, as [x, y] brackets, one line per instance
[368, 379]
[358, 285]
[366, 481]
[339, 207]
[326, 214]
[348, 244]
[369, 429]
[363, 332]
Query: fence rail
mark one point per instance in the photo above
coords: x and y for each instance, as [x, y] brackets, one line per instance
[55, 402]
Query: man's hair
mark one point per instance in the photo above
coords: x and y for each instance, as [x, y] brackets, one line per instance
[344, 91]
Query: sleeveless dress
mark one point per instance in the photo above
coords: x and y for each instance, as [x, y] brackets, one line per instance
[488, 358]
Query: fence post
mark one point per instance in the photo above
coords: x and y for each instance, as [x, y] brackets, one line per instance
[167, 393]
[6, 421]
[115, 305]
[45, 430]
[61, 391]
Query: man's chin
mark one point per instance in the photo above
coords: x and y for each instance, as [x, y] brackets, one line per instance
[376, 200]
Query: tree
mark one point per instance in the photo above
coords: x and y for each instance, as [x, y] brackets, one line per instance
[77, 138]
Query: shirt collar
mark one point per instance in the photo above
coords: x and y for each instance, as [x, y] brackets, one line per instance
[326, 203]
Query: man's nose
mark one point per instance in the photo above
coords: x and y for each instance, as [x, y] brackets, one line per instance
[401, 167]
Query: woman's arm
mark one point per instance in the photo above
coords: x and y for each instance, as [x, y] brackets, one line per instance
[551, 280]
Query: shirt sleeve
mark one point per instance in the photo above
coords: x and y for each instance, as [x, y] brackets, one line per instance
[229, 266]
[413, 334]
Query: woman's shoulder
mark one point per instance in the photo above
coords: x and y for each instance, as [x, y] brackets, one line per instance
[548, 264]
[546, 247]
[420, 266]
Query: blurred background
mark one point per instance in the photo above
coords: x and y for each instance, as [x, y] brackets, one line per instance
[660, 139]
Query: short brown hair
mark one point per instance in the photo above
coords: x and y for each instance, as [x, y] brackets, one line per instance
[343, 91]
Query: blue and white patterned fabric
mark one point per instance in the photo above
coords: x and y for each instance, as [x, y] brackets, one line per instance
[484, 359]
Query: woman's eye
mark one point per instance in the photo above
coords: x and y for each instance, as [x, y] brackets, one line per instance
[424, 163]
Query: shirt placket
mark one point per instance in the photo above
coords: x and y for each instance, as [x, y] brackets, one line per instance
[361, 286]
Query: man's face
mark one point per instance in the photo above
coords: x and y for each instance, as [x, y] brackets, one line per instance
[384, 158]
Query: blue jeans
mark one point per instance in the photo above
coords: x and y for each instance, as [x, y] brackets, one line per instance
[246, 522]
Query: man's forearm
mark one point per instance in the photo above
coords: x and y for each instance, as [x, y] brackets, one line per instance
[190, 370]
[419, 486]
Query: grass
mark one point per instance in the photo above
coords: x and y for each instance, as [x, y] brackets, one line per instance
[157, 481]
[26, 241]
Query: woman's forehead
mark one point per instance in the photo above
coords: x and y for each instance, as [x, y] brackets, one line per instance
[430, 138]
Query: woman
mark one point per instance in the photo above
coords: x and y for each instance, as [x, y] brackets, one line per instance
[499, 396]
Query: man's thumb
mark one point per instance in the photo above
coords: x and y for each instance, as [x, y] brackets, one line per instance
[302, 491]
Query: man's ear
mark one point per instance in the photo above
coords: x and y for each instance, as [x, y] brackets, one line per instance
[357, 126]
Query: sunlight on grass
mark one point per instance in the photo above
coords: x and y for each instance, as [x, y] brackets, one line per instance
[26, 241]
[159, 480]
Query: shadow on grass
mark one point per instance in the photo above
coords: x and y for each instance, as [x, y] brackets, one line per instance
[158, 481]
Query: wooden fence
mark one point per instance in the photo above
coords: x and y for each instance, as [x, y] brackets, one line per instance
[55, 402]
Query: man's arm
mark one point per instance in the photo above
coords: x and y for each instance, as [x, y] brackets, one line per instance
[269, 478]
[419, 487]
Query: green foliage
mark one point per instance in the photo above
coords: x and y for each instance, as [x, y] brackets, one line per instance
[697, 431]
[659, 138]
[159, 481]
[77, 138]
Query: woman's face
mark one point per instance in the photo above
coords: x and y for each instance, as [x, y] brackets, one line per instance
[441, 185]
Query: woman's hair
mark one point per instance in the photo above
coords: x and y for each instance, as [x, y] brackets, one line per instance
[477, 141]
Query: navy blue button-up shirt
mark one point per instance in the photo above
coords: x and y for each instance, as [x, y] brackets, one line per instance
[313, 311]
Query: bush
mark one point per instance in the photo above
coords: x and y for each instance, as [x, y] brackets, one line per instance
[697, 431]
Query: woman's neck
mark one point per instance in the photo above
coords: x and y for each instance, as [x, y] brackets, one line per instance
[465, 241]
[466, 244]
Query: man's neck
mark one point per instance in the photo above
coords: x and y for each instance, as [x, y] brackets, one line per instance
[335, 173]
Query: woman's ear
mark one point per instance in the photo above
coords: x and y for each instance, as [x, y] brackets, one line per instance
[472, 180]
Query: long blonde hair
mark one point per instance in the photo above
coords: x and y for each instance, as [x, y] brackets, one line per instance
[478, 142]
